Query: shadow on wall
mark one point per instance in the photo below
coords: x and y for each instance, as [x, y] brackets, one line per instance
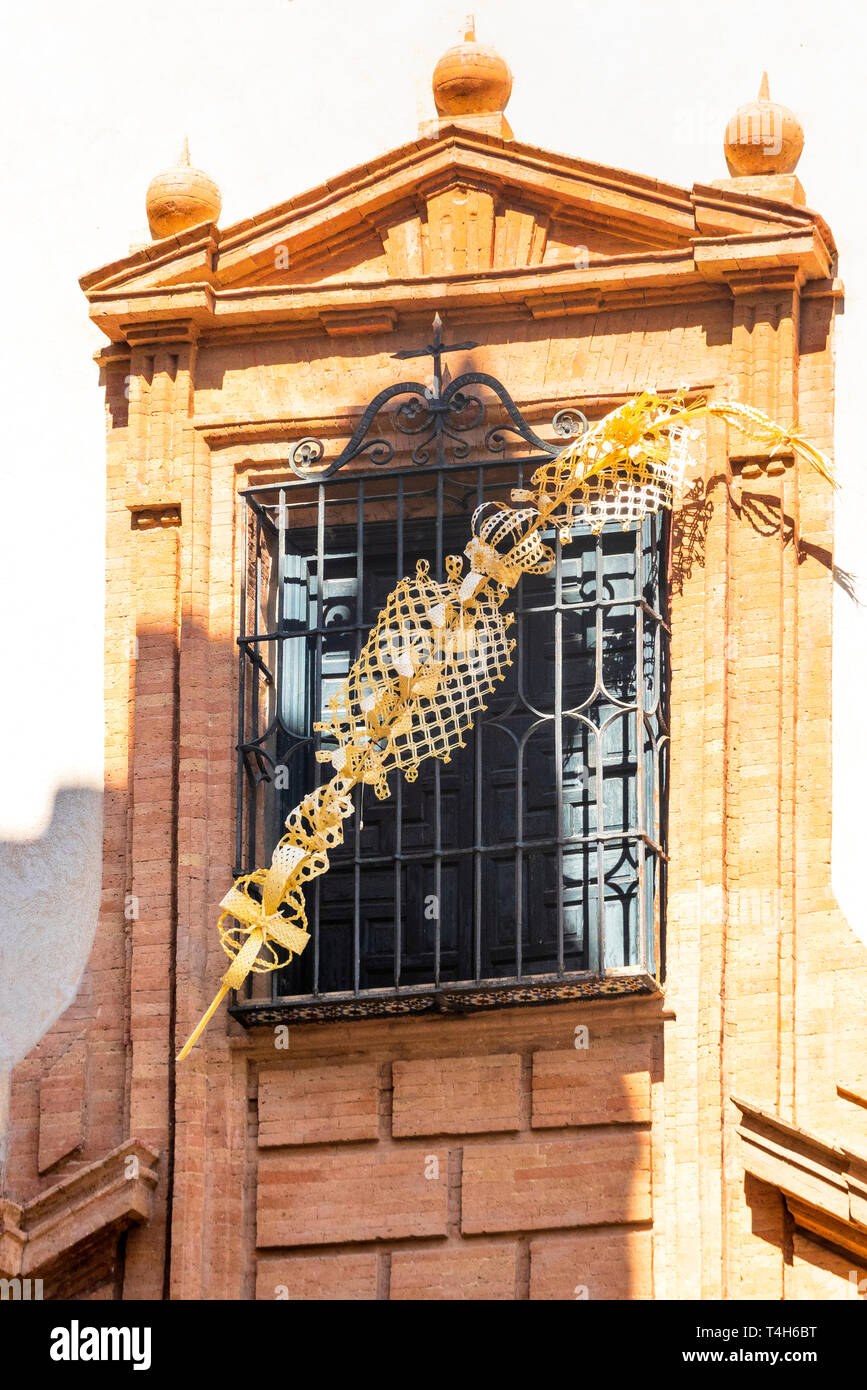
[763, 513]
[49, 903]
[543, 1185]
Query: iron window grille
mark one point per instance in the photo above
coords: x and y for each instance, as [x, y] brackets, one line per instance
[529, 869]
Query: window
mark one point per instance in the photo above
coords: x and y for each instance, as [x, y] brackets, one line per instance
[529, 868]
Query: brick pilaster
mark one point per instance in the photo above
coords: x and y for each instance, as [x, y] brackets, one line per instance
[155, 553]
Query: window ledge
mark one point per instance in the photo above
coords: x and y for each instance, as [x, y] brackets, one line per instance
[457, 998]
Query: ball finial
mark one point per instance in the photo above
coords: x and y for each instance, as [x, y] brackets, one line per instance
[471, 79]
[181, 198]
[763, 137]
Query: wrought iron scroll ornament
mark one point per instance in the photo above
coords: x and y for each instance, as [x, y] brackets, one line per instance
[408, 700]
[438, 415]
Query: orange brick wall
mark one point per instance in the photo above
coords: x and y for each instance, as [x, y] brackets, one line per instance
[482, 1156]
[467, 1171]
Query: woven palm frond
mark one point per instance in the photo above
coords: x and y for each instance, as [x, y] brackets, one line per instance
[439, 647]
[759, 427]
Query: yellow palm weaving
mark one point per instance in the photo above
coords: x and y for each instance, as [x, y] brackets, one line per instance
[438, 648]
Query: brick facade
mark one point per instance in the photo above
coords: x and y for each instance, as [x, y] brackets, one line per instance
[482, 1156]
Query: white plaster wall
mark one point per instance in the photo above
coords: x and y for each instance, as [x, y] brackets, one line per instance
[49, 900]
[276, 95]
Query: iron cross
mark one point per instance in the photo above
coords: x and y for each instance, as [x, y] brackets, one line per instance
[435, 350]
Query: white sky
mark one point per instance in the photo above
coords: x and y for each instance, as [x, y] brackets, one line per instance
[275, 96]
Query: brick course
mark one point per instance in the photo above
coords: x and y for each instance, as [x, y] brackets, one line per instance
[602, 1084]
[600, 1177]
[306, 1278]
[457, 1095]
[318, 1104]
[592, 1265]
[320, 1198]
[474, 1271]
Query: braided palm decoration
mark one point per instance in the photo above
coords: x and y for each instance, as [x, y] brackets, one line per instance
[439, 648]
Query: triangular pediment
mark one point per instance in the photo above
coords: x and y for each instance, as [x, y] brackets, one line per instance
[460, 203]
[460, 226]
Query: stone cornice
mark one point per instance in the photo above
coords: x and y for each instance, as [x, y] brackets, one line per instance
[107, 1196]
[823, 1184]
[714, 204]
[210, 277]
[608, 283]
[710, 268]
[728, 259]
[540, 305]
